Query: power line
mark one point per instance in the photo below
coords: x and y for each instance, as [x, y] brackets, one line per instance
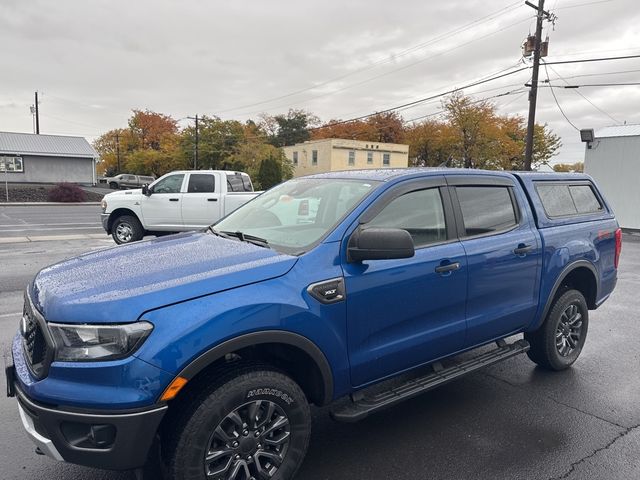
[385, 60]
[586, 60]
[583, 96]
[392, 72]
[584, 4]
[422, 100]
[558, 103]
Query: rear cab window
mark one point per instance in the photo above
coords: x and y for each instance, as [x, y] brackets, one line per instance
[486, 209]
[238, 182]
[568, 199]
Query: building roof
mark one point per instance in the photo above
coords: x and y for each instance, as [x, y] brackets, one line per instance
[618, 131]
[45, 145]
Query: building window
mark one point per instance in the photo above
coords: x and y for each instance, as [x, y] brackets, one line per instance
[386, 159]
[295, 159]
[369, 158]
[11, 164]
[352, 158]
[314, 157]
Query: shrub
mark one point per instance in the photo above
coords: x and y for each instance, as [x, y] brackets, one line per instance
[66, 192]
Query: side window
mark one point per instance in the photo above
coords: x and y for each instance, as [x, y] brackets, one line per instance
[235, 183]
[420, 213]
[386, 159]
[201, 182]
[486, 209]
[584, 198]
[562, 200]
[170, 184]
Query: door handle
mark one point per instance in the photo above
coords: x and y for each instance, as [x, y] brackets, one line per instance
[449, 267]
[522, 249]
[212, 199]
[173, 199]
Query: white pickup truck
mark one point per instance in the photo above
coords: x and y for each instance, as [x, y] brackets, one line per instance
[176, 202]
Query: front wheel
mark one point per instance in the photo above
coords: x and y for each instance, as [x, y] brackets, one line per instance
[558, 342]
[127, 229]
[253, 424]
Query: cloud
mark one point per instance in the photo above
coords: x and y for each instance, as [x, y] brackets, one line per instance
[95, 61]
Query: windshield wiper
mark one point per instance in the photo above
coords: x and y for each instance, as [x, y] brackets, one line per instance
[245, 237]
[217, 233]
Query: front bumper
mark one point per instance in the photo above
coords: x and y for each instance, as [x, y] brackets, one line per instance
[104, 218]
[99, 439]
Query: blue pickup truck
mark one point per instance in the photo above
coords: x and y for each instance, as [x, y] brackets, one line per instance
[208, 347]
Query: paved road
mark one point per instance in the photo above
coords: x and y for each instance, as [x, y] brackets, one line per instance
[49, 220]
[511, 421]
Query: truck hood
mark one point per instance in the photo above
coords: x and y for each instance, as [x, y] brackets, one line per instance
[124, 194]
[120, 283]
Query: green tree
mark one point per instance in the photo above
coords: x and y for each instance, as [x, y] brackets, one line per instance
[290, 128]
[270, 173]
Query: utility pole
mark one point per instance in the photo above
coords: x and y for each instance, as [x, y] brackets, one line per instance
[533, 92]
[118, 150]
[197, 141]
[195, 156]
[37, 116]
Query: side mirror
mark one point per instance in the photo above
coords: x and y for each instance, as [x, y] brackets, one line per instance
[380, 244]
[146, 190]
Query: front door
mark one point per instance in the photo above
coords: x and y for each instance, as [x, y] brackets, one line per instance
[201, 203]
[503, 256]
[406, 312]
[161, 209]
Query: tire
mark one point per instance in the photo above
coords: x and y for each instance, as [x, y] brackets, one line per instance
[113, 186]
[219, 420]
[557, 344]
[127, 229]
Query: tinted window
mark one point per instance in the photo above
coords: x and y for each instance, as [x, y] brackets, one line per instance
[420, 213]
[584, 199]
[486, 209]
[200, 182]
[170, 184]
[235, 183]
[561, 200]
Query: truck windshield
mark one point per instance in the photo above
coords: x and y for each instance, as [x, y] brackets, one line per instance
[295, 215]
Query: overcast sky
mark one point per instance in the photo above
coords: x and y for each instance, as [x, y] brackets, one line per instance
[94, 61]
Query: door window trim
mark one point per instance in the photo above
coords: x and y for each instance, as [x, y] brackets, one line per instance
[411, 186]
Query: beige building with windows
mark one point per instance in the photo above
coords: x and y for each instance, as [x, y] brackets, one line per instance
[332, 154]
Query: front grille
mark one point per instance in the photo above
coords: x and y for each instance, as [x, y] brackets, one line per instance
[36, 349]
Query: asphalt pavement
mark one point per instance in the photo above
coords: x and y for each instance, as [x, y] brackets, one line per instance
[19, 222]
[509, 421]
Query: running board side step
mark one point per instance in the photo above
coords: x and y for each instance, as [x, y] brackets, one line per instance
[363, 405]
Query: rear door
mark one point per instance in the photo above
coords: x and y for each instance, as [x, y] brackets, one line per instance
[503, 255]
[201, 203]
[161, 210]
[405, 312]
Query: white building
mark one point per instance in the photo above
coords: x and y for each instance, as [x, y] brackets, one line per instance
[613, 160]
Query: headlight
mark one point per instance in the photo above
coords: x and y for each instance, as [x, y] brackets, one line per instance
[103, 203]
[97, 342]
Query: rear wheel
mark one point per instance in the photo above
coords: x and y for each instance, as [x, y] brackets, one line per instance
[557, 344]
[127, 229]
[252, 424]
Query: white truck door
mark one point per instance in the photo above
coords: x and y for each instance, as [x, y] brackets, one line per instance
[161, 210]
[202, 202]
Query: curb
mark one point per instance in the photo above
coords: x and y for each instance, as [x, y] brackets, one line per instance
[39, 204]
[44, 238]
